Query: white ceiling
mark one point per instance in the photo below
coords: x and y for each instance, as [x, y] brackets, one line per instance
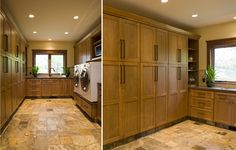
[54, 17]
[179, 12]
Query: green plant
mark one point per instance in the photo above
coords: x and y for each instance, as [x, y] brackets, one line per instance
[35, 70]
[210, 76]
[66, 71]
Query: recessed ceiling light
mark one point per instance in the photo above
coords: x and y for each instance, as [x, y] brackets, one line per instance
[66, 32]
[235, 17]
[76, 17]
[35, 32]
[31, 16]
[195, 15]
[49, 39]
[164, 1]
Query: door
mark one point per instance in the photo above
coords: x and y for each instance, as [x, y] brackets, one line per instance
[111, 101]
[6, 36]
[147, 43]
[161, 94]
[162, 46]
[8, 102]
[111, 39]
[130, 98]
[1, 31]
[173, 46]
[3, 107]
[148, 81]
[173, 101]
[183, 48]
[130, 37]
[183, 90]
[222, 112]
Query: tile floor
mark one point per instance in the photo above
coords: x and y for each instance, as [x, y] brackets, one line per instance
[50, 124]
[187, 135]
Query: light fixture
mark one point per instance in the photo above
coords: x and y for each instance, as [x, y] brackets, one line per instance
[31, 16]
[49, 39]
[35, 32]
[234, 17]
[76, 17]
[66, 32]
[195, 15]
[164, 1]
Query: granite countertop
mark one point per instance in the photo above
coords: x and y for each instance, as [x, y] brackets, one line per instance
[221, 89]
[47, 77]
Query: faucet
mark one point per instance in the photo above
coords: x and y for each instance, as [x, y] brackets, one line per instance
[50, 71]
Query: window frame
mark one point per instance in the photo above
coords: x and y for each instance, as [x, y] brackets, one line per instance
[49, 53]
[220, 43]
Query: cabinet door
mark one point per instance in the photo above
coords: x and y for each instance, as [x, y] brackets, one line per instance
[222, 112]
[173, 101]
[111, 39]
[111, 102]
[233, 112]
[183, 91]
[173, 46]
[76, 55]
[183, 48]
[46, 87]
[130, 98]
[161, 96]
[162, 46]
[9, 107]
[130, 36]
[148, 81]
[88, 49]
[55, 87]
[3, 107]
[6, 37]
[1, 32]
[147, 43]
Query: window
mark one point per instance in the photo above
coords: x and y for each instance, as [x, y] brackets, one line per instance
[222, 56]
[49, 62]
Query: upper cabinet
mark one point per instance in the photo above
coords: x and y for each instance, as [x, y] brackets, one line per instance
[178, 48]
[1, 31]
[123, 43]
[154, 44]
[6, 36]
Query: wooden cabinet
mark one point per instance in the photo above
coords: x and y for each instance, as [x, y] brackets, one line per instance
[123, 43]
[34, 87]
[3, 107]
[154, 44]
[178, 92]
[130, 98]
[178, 48]
[83, 51]
[6, 36]
[1, 32]
[225, 105]
[201, 104]
[111, 101]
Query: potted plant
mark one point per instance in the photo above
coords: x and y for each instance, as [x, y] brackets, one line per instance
[35, 71]
[210, 75]
[66, 71]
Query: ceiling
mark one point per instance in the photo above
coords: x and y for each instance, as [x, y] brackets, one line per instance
[55, 17]
[179, 12]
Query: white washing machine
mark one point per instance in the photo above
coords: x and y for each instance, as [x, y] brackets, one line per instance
[89, 75]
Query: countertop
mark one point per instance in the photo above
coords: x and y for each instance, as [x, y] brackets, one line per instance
[47, 77]
[220, 89]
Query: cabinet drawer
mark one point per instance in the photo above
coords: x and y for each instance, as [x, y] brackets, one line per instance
[225, 96]
[87, 108]
[202, 103]
[202, 94]
[202, 114]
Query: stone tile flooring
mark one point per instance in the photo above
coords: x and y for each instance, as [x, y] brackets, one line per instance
[50, 124]
[187, 135]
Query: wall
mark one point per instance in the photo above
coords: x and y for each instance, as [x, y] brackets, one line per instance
[220, 31]
[51, 46]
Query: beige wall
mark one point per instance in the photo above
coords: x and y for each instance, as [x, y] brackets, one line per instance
[220, 31]
[52, 46]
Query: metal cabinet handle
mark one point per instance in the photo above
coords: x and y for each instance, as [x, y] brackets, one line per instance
[5, 64]
[179, 55]
[5, 38]
[179, 73]
[156, 52]
[155, 76]
[121, 74]
[157, 72]
[124, 74]
[121, 47]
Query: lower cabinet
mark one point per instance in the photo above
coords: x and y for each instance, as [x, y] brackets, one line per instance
[49, 87]
[90, 108]
[225, 108]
